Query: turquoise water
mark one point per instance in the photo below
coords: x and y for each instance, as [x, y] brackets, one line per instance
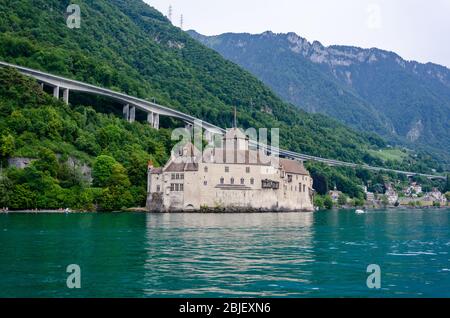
[321, 254]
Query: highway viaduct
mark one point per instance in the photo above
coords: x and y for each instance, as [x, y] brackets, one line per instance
[63, 86]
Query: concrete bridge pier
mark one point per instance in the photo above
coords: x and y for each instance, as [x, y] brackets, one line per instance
[156, 120]
[126, 112]
[66, 95]
[153, 119]
[56, 92]
[132, 117]
[150, 118]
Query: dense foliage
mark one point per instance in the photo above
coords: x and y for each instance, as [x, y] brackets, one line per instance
[128, 46]
[371, 90]
[62, 140]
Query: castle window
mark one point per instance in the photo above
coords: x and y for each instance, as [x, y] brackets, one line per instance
[181, 187]
[300, 187]
[222, 180]
[182, 176]
[247, 169]
[177, 176]
[232, 181]
[177, 187]
[304, 188]
[205, 183]
[242, 181]
[173, 176]
[289, 177]
[227, 169]
[158, 188]
[172, 187]
[206, 169]
[252, 181]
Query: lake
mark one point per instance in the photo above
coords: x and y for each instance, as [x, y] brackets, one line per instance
[323, 254]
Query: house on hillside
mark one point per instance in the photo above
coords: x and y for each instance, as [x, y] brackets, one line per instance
[413, 190]
[334, 194]
[435, 196]
[391, 194]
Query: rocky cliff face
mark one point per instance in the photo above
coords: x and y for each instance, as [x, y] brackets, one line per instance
[370, 89]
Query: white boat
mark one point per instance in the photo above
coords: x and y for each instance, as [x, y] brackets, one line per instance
[360, 211]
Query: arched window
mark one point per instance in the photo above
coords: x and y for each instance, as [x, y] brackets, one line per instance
[222, 180]
[252, 181]
[242, 181]
[232, 181]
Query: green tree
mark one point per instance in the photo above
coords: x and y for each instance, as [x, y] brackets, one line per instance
[7, 145]
[320, 183]
[384, 200]
[342, 200]
[319, 202]
[118, 177]
[358, 202]
[102, 170]
[112, 176]
[22, 198]
[115, 198]
[328, 202]
[47, 161]
[5, 191]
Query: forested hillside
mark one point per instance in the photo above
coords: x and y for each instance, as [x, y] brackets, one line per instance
[61, 140]
[369, 89]
[130, 47]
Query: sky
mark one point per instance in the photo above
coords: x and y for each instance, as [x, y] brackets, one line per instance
[415, 29]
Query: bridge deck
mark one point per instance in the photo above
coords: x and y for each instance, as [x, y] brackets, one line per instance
[151, 107]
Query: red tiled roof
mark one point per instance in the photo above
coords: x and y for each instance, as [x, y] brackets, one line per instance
[293, 166]
[181, 167]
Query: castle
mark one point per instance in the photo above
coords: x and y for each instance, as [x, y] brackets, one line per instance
[230, 178]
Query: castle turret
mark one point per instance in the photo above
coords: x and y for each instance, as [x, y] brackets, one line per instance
[235, 139]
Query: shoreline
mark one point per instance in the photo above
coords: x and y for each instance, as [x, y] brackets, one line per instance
[143, 210]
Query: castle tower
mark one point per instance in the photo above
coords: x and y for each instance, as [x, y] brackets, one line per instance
[235, 139]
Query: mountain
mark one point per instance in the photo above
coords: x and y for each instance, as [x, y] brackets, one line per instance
[130, 47]
[369, 89]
